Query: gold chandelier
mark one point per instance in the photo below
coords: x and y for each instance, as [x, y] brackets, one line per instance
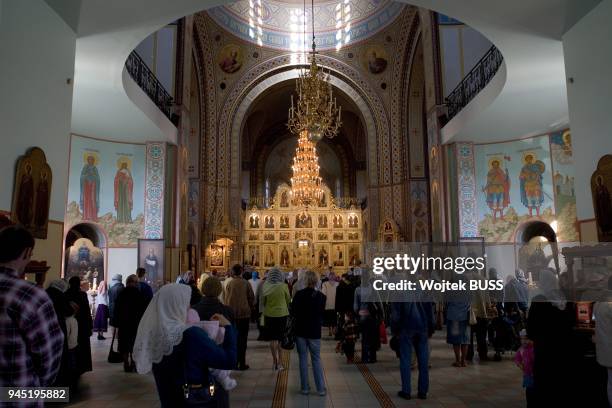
[306, 182]
[316, 111]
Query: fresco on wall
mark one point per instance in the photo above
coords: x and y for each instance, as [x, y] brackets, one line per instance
[563, 184]
[523, 180]
[106, 187]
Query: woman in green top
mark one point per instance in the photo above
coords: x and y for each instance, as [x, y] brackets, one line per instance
[275, 300]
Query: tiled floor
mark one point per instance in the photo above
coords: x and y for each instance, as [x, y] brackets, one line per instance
[490, 384]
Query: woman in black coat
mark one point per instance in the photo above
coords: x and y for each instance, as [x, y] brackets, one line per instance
[75, 295]
[131, 305]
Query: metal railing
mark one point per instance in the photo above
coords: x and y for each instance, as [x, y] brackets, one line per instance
[148, 82]
[474, 81]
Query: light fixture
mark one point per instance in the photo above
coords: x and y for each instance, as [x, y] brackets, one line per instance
[306, 182]
[316, 111]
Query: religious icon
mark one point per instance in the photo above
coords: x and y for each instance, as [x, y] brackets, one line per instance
[375, 59]
[532, 193]
[353, 221]
[388, 227]
[323, 257]
[338, 236]
[322, 236]
[230, 58]
[338, 256]
[254, 221]
[284, 236]
[269, 258]
[269, 236]
[497, 189]
[32, 192]
[216, 255]
[253, 255]
[284, 257]
[353, 236]
[25, 197]
[322, 221]
[284, 201]
[284, 221]
[253, 236]
[151, 258]
[124, 191]
[353, 253]
[269, 222]
[602, 200]
[90, 187]
[337, 221]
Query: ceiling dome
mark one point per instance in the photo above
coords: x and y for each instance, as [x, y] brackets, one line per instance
[280, 23]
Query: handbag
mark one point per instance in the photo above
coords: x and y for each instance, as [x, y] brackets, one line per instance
[288, 341]
[200, 395]
[114, 356]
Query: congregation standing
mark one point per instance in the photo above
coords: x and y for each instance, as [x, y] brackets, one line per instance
[192, 334]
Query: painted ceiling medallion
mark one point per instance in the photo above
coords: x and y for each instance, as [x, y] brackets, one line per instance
[279, 23]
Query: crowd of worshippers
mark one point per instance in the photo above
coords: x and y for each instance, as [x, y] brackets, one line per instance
[192, 333]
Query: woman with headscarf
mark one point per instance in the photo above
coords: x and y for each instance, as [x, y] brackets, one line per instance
[549, 326]
[56, 292]
[180, 355]
[83, 316]
[131, 304]
[275, 301]
[101, 320]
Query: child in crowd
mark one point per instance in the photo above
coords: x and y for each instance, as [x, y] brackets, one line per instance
[524, 359]
[217, 334]
[349, 337]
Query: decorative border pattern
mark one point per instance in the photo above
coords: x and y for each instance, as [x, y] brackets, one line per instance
[466, 190]
[154, 190]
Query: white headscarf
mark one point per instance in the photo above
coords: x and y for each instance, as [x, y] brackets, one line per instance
[162, 325]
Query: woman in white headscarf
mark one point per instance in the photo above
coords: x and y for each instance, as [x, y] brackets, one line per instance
[179, 354]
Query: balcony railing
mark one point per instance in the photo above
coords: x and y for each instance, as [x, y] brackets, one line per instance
[474, 81]
[148, 82]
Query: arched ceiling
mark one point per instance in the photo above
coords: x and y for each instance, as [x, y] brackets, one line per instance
[267, 116]
[279, 24]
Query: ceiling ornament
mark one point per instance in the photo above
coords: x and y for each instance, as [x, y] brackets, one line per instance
[316, 111]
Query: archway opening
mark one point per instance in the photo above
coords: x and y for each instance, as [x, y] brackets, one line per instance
[537, 249]
[85, 254]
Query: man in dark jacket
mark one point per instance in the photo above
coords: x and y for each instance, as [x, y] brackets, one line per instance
[413, 321]
[116, 287]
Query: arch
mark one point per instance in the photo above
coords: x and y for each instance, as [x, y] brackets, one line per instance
[527, 231]
[93, 233]
[283, 68]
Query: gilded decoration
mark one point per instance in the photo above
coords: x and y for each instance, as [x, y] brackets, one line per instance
[291, 236]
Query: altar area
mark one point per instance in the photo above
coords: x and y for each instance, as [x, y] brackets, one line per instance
[292, 236]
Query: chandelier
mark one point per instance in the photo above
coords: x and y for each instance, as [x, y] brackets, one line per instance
[316, 111]
[306, 182]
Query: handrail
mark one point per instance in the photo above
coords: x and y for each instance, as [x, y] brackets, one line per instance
[474, 81]
[148, 82]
